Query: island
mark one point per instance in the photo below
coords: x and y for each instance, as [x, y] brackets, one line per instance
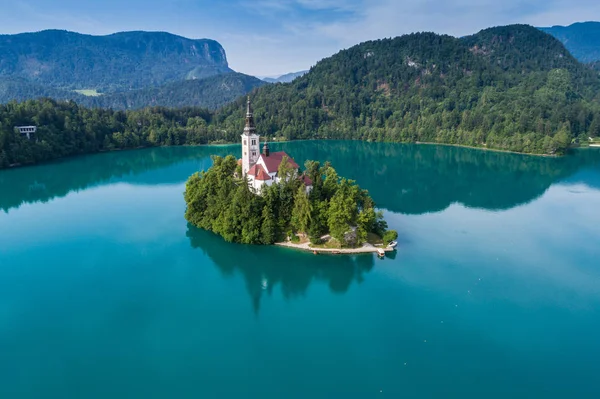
[264, 198]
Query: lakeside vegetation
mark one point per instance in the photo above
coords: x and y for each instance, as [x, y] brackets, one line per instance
[66, 129]
[224, 204]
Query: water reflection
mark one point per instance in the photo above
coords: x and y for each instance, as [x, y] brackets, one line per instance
[416, 179]
[403, 178]
[261, 267]
[42, 183]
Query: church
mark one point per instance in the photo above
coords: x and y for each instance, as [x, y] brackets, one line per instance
[261, 167]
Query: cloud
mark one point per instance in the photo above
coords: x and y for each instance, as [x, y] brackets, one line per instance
[389, 18]
[270, 37]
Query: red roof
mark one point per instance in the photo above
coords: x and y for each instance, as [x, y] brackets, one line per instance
[259, 172]
[306, 180]
[274, 160]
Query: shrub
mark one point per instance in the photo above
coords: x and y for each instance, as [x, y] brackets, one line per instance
[390, 236]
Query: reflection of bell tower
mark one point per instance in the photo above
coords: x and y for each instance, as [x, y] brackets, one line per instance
[250, 142]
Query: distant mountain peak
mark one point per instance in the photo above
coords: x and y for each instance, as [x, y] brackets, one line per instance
[286, 78]
[582, 39]
[120, 61]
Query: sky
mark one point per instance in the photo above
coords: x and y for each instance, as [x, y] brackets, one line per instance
[273, 37]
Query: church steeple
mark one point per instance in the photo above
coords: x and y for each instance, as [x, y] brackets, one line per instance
[249, 128]
[250, 142]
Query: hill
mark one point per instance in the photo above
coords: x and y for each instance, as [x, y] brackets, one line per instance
[287, 78]
[510, 88]
[582, 39]
[211, 93]
[121, 61]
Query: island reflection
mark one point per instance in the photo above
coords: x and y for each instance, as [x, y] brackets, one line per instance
[261, 268]
[403, 178]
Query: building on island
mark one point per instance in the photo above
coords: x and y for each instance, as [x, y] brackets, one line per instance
[26, 130]
[261, 167]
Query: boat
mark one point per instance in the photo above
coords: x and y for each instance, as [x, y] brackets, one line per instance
[380, 252]
[393, 244]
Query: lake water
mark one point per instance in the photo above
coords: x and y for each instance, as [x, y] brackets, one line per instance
[494, 292]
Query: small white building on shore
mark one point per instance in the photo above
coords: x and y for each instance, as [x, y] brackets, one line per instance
[26, 130]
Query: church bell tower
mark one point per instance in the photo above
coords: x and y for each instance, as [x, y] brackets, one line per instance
[250, 142]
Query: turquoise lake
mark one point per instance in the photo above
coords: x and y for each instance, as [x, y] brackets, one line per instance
[494, 292]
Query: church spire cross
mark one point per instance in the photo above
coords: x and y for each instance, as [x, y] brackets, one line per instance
[248, 109]
[249, 128]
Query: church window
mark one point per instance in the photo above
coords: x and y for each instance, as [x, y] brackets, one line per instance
[253, 142]
[244, 142]
[253, 153]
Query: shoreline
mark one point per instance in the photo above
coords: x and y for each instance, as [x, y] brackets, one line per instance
[15, 166]
[365, 249]
[489, 149]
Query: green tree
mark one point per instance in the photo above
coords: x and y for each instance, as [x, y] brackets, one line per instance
[301, 214]
[269, 226]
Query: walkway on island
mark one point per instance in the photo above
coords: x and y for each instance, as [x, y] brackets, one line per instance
[366, 248]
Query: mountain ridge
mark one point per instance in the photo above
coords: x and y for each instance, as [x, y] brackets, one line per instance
[116, 62]
[582, 39]
[285, 78]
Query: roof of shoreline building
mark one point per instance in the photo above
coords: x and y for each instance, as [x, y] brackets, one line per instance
[274, 159]
[259, 172]
[306, 180]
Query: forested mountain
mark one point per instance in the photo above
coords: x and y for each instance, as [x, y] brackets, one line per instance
[287, 78]
[211, 92]
[582, 39]
[121, 61]
[512, 88]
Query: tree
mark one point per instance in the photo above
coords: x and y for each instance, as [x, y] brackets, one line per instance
[301, 214]
[269, 226]
[340, 215]
[389, 236]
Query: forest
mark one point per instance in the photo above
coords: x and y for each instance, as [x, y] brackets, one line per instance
[66, 129]
[211, 92]
[220, 201]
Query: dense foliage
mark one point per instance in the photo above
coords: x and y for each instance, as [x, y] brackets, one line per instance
[582, 39]
[512, 88]
[116, 62]
[64, 129]
[220, 202]
[211, 93]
